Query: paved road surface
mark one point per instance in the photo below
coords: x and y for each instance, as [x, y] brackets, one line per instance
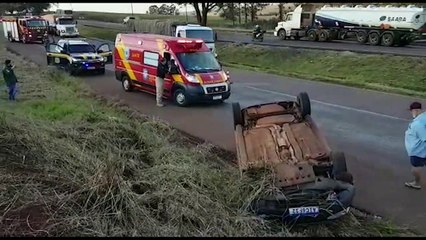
[416, 49]
[368, 126]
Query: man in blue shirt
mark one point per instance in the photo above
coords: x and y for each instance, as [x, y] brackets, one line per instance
[415, 143]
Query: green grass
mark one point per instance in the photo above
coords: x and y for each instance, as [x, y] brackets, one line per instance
[396, 74]
[72, 164]
[102, 33]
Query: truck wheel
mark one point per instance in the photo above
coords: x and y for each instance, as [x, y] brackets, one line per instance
[323, 36]
[387, 39]
[304, 104]
[339, 163]
[361, 36]
[180, 97]
[312, 35]
[282, 34]
[374, 38]
[126, 83]
[238, 116]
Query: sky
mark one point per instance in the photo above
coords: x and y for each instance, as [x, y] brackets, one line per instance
[110, 7]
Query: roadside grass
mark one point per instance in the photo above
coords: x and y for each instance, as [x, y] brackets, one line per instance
[102, 33]
[76, 165]
[394, 74]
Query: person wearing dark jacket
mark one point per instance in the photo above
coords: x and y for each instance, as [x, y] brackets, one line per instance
[162, 70]
[10, 79]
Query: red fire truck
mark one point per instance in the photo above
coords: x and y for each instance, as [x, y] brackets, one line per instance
[25, 29]
[196, 75]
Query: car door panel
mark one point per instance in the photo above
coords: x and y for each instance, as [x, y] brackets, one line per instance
[56, 55]
[105, 51]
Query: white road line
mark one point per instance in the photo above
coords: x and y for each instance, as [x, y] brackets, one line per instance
[332, 105]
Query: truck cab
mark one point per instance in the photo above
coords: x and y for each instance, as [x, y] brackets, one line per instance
[199, 32]
[301, 18]
[66, 26]
[25, 29]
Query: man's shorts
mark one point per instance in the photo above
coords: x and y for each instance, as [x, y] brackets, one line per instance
[417, 161]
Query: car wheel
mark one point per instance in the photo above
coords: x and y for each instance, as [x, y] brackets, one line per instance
[102, 71]
[304, 104]
[339, 163]
[238, 116]
[126, 83]
[180, 97]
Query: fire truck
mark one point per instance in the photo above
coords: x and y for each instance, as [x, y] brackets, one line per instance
[195, 74]
[25, 29]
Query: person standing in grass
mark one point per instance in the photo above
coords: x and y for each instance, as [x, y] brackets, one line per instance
[415, 143]
[10, 79]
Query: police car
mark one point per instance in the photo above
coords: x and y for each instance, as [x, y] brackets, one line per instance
[77, 56]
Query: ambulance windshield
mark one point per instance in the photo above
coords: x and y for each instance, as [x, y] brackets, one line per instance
[198, 62]
[206, 35]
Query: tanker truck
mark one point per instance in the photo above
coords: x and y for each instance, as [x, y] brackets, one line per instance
[386, 26]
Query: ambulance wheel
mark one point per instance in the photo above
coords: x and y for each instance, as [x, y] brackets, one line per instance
[180, 97]
[127, 85]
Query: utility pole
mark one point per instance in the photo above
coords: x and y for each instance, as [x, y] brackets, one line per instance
[186, 12]
[134, 20]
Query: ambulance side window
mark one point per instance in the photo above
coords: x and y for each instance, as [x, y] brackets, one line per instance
[150, 59]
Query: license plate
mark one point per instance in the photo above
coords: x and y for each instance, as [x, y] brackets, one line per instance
[217, 97]
[304, 211]
[90, 68]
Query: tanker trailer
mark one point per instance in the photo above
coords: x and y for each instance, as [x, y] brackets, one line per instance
[387, 26]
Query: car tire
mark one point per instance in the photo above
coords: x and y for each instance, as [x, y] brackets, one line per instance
[102, 71]
[339, 163]
[304, 104]
[68, 70]
[237, 115]
[126, 83]
[180, 98]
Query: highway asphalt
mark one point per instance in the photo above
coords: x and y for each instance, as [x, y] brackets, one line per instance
[415, 49]
[367, 125]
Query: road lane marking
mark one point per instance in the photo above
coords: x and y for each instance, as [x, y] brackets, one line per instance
[332, 105]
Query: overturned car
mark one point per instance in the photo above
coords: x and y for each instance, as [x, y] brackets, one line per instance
[313, 180]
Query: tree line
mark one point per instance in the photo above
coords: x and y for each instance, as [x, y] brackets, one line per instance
[35, 8]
